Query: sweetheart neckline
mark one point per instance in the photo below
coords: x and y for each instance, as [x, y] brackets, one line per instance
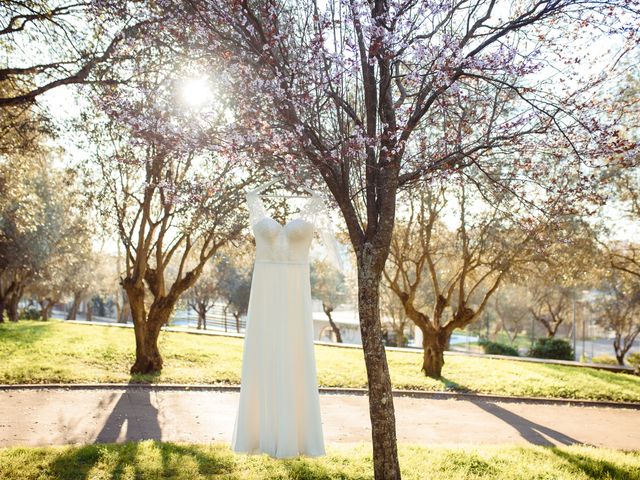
[282, 226]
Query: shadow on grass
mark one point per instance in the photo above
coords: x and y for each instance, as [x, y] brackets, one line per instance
[151, 459]
[23, 332]
[81, 463]
[530, 431]
[451, 386]
[148, 459]
[596, 468]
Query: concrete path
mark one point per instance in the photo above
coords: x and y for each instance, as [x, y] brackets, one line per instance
[60, 416]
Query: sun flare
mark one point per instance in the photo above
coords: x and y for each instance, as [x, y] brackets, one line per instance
[196, 91]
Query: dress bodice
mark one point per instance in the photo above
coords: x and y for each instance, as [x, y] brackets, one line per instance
[283, 243]
[290, 243]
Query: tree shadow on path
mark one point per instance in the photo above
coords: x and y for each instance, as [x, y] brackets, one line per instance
[134, 408]
[530, 431]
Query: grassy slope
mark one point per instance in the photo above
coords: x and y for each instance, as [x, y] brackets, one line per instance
[153, 460]
[36, 352]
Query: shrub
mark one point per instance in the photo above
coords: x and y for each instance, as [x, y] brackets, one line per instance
[553, 348]
[605, 360]
[633, 359]
[30, 313]
[495, 348]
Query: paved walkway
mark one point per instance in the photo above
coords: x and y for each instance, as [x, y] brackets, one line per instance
[60, 416]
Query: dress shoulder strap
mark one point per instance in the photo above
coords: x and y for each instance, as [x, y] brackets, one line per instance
[256, 208]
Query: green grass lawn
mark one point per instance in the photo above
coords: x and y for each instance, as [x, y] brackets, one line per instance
[521, 341]
[54, 351]
[154, 460]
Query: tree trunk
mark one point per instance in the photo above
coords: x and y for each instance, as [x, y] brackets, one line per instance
[12, 306]
[199, 312]
[89, 314]
[202, 316]
[496, 330]
[122, 312]
[73, 313]
[147, 329]
[336, 330]
[237, 317]
[148, 358]
[126, 312]
[619, 348]
[2, 310]
[45, 309]
[381, 409]
[434, 344]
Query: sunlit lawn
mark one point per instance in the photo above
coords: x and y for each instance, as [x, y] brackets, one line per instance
[521, 341]
[51, 352]
[150, 459]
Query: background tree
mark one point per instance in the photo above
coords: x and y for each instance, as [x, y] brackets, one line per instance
[444, 276]
[235, 269]
[552, 303]
[68, 244]
[202, 296]
[171, 197]
[41, 229]
[511, 305]
[572, 261]
[618, 310]
[96, 276]
[328, 285]
[395, 320]
[621, 183]
[21, 205]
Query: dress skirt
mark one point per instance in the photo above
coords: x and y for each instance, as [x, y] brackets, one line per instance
[279, 409]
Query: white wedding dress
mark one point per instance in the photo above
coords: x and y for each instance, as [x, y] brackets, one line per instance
[279, 409]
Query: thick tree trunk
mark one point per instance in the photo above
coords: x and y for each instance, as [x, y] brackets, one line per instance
[147, 330]
[12, 301]
[73, 313]
[381, 409]
[148, 358]
[336, 330]
[89, 314]
[434, 344]
[12, 307]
